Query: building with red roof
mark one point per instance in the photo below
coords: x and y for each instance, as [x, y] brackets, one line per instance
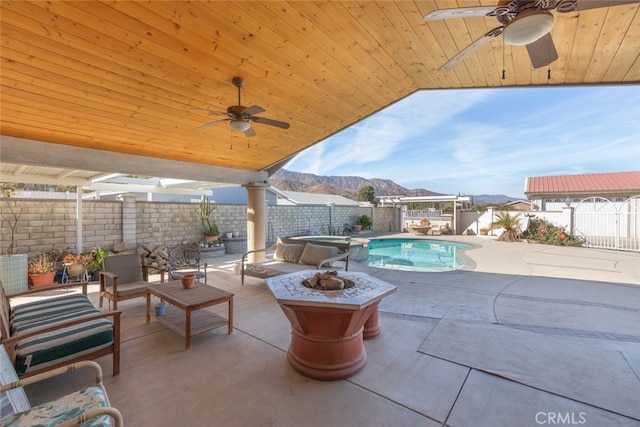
[553, 192]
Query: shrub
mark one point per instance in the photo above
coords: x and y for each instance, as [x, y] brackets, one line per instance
[543, 231]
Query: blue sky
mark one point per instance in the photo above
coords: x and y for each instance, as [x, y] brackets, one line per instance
[486, 141]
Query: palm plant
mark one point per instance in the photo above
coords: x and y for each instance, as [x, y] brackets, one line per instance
[510, 225]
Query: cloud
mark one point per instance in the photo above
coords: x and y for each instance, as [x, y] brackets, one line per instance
[487, 141]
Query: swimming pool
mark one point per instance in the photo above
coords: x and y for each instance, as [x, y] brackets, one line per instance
[415, 254]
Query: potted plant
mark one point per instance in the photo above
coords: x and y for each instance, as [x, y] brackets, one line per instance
[77, 264]
[365, 222]
[41, 270]
[209, 226]
[99, 254]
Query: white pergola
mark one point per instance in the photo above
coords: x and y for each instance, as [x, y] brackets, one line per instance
[456, 202]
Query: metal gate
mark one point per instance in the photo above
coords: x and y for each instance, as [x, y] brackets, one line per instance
[608, 224]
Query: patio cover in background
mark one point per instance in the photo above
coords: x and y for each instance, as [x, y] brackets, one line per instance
[456, 202]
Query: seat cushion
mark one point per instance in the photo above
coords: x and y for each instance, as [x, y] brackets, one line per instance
[49, 348]
[62, 409]
[125, 289]
[47, 308]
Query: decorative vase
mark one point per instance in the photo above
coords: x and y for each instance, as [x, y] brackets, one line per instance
[235, 233]
[229, 235]
[44, 279]
[188, 281]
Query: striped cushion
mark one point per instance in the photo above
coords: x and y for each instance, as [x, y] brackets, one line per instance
[46, 349]
[45, 309]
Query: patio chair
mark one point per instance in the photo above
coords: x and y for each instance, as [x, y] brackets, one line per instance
[184, 259]
[88, 406]
[123, 277]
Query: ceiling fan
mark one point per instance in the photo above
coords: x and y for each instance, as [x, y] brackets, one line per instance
[524, 22]
[240, 117]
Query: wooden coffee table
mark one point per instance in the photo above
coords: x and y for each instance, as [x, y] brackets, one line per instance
[184, 314]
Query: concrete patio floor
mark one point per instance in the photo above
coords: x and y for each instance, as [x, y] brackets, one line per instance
[524, 335]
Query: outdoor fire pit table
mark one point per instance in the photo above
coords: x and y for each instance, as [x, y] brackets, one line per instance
[328, 327]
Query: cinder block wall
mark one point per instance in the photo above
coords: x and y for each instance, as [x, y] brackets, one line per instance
[46, 224]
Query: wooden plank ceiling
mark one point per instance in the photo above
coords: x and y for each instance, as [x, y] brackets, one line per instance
[133, 77]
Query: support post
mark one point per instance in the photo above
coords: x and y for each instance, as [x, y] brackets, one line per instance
[256, 219]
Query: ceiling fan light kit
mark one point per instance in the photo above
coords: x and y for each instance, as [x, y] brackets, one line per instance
[527, 28]
[240, 125]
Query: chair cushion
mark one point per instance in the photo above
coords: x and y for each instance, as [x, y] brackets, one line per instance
[288, 252]
[49, 348]
[128, 288]
[62, 409]
[314, 254]
[47, 308]
[127, 267]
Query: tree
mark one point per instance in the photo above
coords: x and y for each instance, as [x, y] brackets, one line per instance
[366, 194]
[510, 225]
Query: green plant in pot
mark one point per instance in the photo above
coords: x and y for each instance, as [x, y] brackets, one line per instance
[209, 226]
[99, 254]
[365, 222]
[41, 270]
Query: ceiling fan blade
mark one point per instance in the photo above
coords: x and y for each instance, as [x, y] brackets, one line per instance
[595, 4]
[271, 122]
[460, 12]
[249, 132]
[206, 110]
[542, 51]
[254, 109]
[470, 49]
[213, 123]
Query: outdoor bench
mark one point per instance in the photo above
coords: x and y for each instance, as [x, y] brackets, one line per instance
[289, 255]
[54, 331]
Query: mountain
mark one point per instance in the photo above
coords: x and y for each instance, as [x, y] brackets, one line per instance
[348, 186]
[492, 199]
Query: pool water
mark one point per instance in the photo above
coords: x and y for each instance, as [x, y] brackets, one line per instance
[414, 254]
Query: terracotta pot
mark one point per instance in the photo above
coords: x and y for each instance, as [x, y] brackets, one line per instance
[356, 227]
[210, 239]
[44, 279]
[188, 281]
